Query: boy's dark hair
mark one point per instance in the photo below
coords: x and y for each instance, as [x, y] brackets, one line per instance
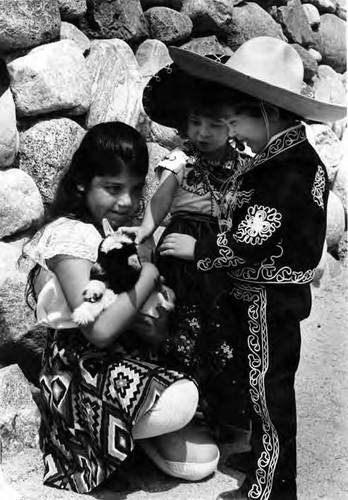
[106, 149]
[4, 77]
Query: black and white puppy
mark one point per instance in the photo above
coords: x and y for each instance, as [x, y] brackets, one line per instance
[117, 270]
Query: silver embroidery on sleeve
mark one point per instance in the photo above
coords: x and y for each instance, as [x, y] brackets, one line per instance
[259, 224]
[318, 187]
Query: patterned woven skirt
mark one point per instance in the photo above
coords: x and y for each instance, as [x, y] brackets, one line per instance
[91, 400]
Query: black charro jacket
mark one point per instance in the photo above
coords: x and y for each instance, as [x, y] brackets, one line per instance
[275, 209]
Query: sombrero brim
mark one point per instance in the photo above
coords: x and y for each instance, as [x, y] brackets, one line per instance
[206, 69]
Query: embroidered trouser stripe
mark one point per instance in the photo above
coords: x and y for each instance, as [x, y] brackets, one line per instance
[267, 349]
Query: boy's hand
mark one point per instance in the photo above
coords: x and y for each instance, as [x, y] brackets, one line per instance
[178, 245]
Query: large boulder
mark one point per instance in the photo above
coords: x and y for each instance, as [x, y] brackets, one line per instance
[21, 341]
[335, 221]
[250, 21]
[152, 55]
[117, 84]
[312, 15]
[122, 19]
[28, 23]
[8, 130]
[46, 150]
[294, 22]
[328, 147]
[341, 9]
[340, 185]
[207, 45]
[20, 202]
[19, 415]
[209, 17]
[69, 31]
[329, 86]
[310, 64]
[53, 77]
[324, 6]
[72, 9]
[168, 25]
[330, 41]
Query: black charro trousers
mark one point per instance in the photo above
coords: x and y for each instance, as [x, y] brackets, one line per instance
[267, 345]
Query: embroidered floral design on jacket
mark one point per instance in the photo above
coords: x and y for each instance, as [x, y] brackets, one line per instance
[318, 188]
[259, 224]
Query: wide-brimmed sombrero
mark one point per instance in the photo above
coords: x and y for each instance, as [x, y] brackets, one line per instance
[166, 95]
[266, 68]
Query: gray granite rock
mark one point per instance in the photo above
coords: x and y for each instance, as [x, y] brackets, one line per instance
[331, 42]
[207, 45]
[20, 202]
[8, 130]
[19, 415]
[324, 6]
[168, 25]
[328, 85]
[51, 77]
[69, 31]
[123, 19]
[335, 221]
[295, 24]
[117, 84]
[152, 55]
[209, 17]
[312, 14]
[28, 23]
[72, 9]
[249, 21]
[310, 64]
[328, 147]
[46, 150]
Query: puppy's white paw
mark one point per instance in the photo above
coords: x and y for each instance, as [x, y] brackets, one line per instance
[94, 291]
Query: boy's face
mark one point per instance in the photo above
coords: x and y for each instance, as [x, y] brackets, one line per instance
[208, 133]
[248, 129]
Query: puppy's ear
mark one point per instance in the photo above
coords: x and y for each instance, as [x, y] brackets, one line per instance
[108, 231]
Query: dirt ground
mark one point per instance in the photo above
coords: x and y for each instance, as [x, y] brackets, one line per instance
[322, 400]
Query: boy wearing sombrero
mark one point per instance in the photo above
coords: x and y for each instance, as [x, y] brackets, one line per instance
[277, 202]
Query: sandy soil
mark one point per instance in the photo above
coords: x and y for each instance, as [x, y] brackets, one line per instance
[322, 395]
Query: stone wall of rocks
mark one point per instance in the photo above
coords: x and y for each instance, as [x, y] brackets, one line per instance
[74, 65]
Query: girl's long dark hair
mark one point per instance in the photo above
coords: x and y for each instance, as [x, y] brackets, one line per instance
[106, 149]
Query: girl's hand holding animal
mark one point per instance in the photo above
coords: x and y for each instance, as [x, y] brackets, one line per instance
[137, 233]
[178, 245]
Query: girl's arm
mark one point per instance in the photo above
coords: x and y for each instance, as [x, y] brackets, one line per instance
[157, 208]
[74, 274]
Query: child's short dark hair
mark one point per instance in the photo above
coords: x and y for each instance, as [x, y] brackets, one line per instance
[106, 149]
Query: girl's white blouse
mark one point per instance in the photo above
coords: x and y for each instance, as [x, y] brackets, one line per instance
[67, 237]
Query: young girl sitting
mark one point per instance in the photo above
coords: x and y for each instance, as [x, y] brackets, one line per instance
[99, 395]
[193, 183]
[271, 250]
